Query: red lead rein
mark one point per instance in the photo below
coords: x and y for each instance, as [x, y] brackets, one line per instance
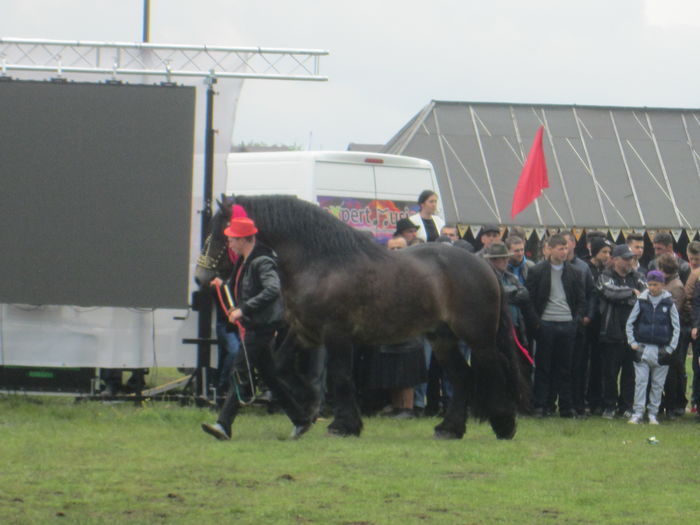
[521, 347]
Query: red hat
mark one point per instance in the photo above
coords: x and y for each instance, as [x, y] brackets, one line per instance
[241, 227]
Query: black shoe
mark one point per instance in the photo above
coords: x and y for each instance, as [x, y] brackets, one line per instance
[217, 431]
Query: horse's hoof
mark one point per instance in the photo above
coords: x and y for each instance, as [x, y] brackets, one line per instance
[507, 435]
[339, 432]
[334, 432]
[504, 426]
[444, 434]
[300, 430]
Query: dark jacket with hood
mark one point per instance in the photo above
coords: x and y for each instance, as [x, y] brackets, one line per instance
[258, 291]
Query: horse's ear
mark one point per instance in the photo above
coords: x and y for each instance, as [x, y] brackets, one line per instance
[229, 200]
[223, 205]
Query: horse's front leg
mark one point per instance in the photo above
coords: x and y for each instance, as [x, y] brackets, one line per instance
[346, 421]
[299, 381]
[452, 361]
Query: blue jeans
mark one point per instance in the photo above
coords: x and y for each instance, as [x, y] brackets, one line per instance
[420, 390]
[229, 348]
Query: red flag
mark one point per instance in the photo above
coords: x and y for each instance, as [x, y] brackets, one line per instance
[533, 178]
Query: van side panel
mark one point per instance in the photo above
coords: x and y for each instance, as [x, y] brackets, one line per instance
[368, 191]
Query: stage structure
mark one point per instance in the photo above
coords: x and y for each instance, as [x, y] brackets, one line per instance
[136, 335]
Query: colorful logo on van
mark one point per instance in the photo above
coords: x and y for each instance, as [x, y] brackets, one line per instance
[378, 217]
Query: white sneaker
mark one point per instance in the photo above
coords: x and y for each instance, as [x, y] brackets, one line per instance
[653, 420]
[635, 419]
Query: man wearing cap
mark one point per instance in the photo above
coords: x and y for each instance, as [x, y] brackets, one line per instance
[409, 231]
[618, 288]
[522, 312]
[258, 312]
[600, 249]
[490, 233]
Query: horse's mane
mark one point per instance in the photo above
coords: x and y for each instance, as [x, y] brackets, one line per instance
[322, 236]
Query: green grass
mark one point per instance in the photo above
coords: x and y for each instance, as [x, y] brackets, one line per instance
[116, 463]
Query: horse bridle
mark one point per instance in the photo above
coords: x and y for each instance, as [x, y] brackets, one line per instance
[205, 260]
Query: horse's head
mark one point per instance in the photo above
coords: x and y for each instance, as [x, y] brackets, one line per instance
[214, 258]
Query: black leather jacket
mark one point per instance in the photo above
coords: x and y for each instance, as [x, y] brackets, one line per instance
[258, 292]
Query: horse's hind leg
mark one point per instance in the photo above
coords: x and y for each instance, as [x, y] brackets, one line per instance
[454, 364]
[347, 421]
[494, 400]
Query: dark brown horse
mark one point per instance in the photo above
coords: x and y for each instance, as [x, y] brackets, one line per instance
[340, 288]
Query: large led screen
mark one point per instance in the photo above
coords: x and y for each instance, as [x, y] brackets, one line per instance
[95, 193]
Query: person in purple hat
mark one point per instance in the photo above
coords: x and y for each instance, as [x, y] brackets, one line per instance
[653, 328]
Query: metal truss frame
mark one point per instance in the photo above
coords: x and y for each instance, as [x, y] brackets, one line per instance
[121, 58]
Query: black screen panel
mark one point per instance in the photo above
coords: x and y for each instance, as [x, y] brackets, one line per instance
[95, 193]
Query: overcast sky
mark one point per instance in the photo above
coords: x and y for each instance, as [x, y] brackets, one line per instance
[389, 58]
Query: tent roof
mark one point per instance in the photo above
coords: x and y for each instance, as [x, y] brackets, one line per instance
[612, 167]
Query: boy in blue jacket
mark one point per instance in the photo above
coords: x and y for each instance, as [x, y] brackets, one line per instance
[653, 328]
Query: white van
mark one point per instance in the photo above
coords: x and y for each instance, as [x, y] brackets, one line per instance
[369, 191]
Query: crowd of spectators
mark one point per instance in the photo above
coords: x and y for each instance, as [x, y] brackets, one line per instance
[577, 318]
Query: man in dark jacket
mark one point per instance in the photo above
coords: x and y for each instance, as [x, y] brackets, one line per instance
[600, 249]
[618, 289]
[556, 290]
[581, 356]
[258, 313]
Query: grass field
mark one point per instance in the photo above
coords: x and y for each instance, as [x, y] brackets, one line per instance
[117, 463]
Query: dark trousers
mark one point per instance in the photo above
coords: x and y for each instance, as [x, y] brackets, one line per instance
[260, 346]
[594, 392]
[695, 399]
[436, 395]
[553, 362]
[617, 360]
[580, 369]
[677, 379]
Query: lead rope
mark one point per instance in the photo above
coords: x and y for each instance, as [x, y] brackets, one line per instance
[521, 347]
[237, 378]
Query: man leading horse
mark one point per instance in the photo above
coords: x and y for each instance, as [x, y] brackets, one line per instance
[259, 313]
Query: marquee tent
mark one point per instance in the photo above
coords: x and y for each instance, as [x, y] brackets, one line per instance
[614, 168]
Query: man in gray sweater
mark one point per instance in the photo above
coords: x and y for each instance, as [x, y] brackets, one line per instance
[556, 290]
